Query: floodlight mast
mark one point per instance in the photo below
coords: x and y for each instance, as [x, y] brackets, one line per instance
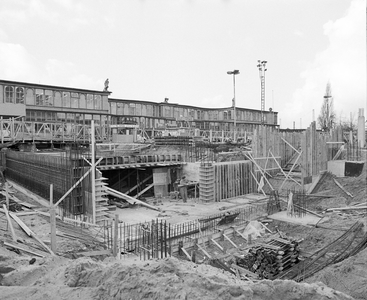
[262, 69]
[234, 73]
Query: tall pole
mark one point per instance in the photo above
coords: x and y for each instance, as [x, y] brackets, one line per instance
[93, 172]
[234, 73]
[262, 69]
[234, 108]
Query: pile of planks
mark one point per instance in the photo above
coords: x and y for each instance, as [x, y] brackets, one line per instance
[268, 260]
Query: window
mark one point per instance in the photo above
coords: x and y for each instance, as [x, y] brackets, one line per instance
[19, 95]
[132, 109]
[58, 99]
[82, 102]
[74, 100]
[29, 98]
[66, 99]
[97, 102]
[9, 94]
[113, 108]
[120, 109]
[198, 114]
[39, 97]
[90, 103]
[48, 98]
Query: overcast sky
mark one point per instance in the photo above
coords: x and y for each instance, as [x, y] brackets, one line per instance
[182, 50]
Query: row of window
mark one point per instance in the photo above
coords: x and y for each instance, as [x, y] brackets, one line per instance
[45, 97]
[59, 117]
[183, 113]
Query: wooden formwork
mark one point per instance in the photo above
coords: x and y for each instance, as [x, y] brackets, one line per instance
[233, 179]
[310, 145]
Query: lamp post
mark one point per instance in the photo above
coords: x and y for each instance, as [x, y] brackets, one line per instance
[234, 73]
[262, 69]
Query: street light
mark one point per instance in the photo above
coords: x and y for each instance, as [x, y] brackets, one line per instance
[234, 73]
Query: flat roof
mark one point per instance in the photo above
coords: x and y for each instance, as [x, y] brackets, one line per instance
[54, 87]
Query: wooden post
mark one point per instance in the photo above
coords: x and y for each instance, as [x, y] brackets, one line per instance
[7, 195]
[115, 236]
[52, 220]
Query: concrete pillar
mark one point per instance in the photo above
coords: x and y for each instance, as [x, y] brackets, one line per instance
[361, 130]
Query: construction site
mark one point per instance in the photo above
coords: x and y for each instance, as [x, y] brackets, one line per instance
[90, 212]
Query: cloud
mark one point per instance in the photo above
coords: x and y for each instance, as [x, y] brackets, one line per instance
[343, 63]
[65, 73]
[16, 63]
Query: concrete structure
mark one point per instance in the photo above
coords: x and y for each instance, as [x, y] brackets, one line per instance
[361, 133]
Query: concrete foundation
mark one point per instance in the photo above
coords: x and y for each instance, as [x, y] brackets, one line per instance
[342, 168]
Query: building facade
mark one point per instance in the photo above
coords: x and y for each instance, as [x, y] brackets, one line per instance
[69, 112]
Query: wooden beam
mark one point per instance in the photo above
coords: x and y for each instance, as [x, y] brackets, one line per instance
[342, 188]
[21, 224]
[240, 234]
[76, 184]
[249, 156]
[282, 169]
[143, 191]
[52, 220]
[14, 237]
[95, 253]
[6, 195]
[204, 251]
[290, 171]
[137, 185]
[22, 249]
[229, 240]
[186, 253]
[115, 244]
[216, 244]
[290, 146]
[245, 271]
[347, 208]
[258, 184]
[128, 198]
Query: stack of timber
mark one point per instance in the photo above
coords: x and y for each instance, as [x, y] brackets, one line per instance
[173, 140]
[268, 260]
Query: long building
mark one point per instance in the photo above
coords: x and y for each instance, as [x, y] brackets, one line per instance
[31, 111]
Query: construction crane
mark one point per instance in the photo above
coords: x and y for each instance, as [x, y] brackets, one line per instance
[262, 69]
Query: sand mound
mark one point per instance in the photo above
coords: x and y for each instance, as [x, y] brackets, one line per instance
[348, 276]
[170, 278]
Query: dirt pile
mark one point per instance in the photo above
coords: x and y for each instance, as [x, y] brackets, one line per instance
[170, 278]
[348, 276]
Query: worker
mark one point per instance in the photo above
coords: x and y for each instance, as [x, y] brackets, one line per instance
[183, 188]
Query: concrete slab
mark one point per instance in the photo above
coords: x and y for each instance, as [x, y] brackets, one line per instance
[174, 211]
[308, 219]
[336, 167]
[255, 196]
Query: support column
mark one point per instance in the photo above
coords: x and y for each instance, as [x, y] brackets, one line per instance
[361, 131]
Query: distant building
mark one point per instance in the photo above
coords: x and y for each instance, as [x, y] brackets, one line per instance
[74, 108]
